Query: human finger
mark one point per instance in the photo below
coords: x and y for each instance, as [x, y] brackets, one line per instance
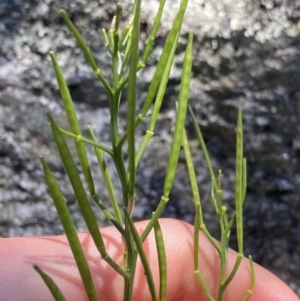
[19, 281]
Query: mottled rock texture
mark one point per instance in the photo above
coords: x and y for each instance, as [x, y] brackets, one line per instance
[246, 54]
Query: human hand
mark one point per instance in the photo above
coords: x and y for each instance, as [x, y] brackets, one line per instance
[19, 281]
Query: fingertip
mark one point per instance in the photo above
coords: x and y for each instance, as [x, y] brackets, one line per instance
[270, 288]
[178, 237]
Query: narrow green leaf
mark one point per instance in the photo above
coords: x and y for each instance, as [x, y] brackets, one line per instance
[252, 283]
[53, 288]
[204, 150]
[81, 196]
[244, 180]
[131, 97]
[253, 275]
[180, 117]
[106, 40]
[125, 58]
[219, 193]
[162, 87]
[213, 198]
[114, 109]
[74, 123]
[85, 49]
[157, 105]
[143, 147]
[125, 36]
[239, 183]
[162, 262]
[70, 231]
[174, 32]
[177, 137]
[81, 42]
[196, 255]
[196, 237]
[153, 32]
[111, 35]
[142, 254]
[233, 271]
[116, 60]
[115, 36]
[192, 175]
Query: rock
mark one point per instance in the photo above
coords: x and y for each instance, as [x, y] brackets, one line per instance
[246, 54]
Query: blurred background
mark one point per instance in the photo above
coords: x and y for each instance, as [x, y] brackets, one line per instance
[246, 53]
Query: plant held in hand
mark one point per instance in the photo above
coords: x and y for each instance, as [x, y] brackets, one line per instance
[126, 61]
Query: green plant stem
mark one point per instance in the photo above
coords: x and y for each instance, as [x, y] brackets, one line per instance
[120, 166]
[82, 139]
[162, 262]
[196, 255]
[252, 283]
[192, 176]
[239, 194]
[131, 258]
[128, 189]
[114, 122]
[107, 179]
[142, 254]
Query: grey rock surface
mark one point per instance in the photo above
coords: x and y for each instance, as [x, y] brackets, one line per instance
[246, 54]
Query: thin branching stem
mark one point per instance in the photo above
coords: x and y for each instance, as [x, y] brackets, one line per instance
[123, 47]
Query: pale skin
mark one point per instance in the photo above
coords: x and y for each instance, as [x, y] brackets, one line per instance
[19, 281]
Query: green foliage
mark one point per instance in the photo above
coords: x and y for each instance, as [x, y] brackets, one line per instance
[126, 61]
[225, 222]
